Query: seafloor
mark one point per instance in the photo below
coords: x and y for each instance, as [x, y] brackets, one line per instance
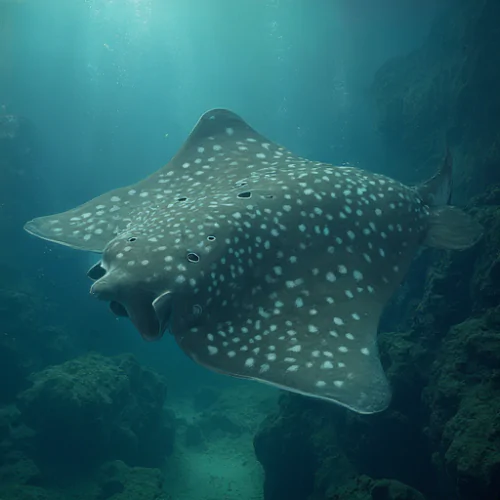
[77, 426]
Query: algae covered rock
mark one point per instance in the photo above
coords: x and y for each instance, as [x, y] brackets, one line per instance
[97, 408]
[28, 342]
[464, 401]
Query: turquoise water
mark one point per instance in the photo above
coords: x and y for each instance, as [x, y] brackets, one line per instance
[112, 89]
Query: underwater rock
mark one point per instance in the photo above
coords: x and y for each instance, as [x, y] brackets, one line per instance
[298, 449]
[485, 289]
[21, 472]
[365, 488]
[99, 409]
[16, 439]
[464, 401]
[117, 481]
[24, 492]
[28, 340]
[314, 445]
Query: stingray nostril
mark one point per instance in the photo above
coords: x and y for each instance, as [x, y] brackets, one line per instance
[131, 239]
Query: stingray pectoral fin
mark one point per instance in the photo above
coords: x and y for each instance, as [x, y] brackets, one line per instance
[329, 361]
[451, 228]
[352, 379]
[75, 228]
[94, 224]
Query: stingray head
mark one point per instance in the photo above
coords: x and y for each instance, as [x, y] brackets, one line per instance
[148, 309]
[154, 290]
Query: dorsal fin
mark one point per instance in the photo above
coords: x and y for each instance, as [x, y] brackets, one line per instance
[437, 190]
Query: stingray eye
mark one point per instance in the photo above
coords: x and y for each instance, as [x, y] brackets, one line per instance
[193, 257]
[211, 238]
[197, 310]
[245, 194]
[132, 239]
[268, 196]
[182, 198]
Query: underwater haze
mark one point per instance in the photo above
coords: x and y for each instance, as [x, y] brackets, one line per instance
[362, 99]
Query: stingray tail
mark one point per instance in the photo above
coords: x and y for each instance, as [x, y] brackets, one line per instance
[449, 227]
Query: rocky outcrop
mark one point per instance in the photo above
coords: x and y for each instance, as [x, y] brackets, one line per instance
[94, 421]
[365, 488]
[113, 481]
[300, 451]
[98, 409]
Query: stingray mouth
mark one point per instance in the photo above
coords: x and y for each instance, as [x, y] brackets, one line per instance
[149, 311]
[148, 321]
[118, 309]
[144, 318]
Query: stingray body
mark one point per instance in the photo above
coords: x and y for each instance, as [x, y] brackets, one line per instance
[262, 264]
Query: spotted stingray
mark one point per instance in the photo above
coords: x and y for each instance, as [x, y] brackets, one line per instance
[262, 264]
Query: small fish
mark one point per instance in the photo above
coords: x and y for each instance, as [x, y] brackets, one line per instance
[262, 264]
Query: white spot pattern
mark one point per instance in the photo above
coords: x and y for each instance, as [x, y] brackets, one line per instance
[271, 248]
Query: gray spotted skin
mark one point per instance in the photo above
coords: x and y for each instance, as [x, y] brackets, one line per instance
[278, 267]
